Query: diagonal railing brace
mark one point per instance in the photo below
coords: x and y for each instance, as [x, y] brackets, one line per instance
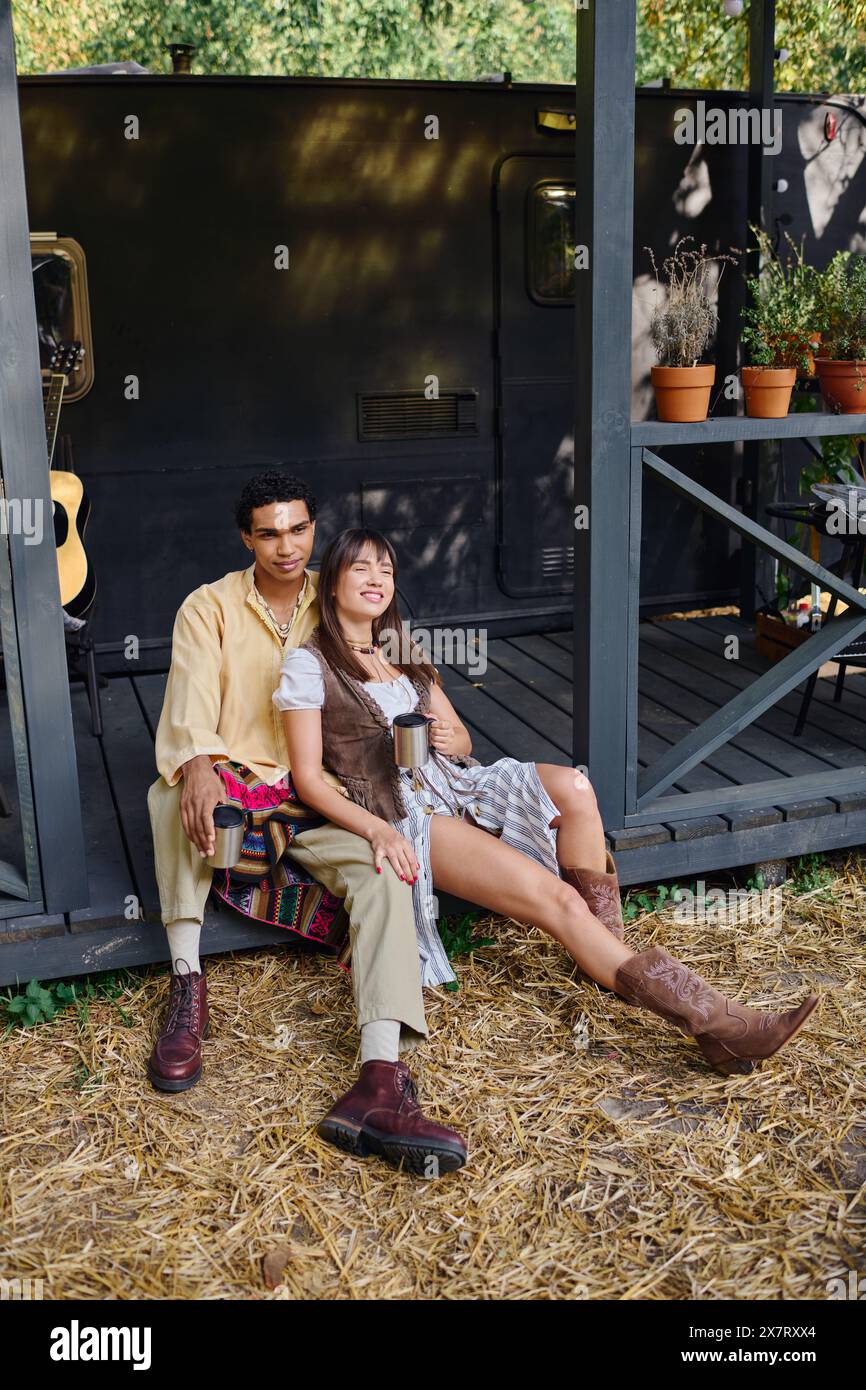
[773, 685]
[708, 502]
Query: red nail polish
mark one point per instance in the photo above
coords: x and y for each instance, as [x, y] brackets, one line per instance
[378, 870]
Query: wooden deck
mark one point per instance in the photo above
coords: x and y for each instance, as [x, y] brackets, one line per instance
[523, 704]
[521, 707]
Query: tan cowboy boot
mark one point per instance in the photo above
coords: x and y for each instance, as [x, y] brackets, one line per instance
[175, 1062]
[600, 892]
[733, 1038]
[379, 1115]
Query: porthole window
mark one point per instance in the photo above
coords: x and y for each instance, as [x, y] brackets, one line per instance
[551, 243]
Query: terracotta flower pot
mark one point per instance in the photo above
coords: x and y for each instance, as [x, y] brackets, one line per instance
[804, 347]
[683, 393]
[843, 385]
[768, 391]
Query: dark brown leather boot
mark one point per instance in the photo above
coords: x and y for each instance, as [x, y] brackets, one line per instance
[732, 1037]
[175, 1062]
[379, 1115]
[600, 892]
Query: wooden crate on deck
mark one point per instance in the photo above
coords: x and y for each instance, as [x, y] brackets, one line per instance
[775, 638]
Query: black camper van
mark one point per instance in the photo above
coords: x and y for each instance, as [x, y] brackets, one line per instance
[372, 285]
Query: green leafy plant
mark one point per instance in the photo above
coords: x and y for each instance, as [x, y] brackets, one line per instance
[458, 939]
[34, 1005]
[779, 321]
[841, 306]
[643, 901]
[41, 1003]
[810, 873]
[682, 328]
[755, 883]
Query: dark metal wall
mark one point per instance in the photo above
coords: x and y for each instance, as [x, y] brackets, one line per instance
[394, 275]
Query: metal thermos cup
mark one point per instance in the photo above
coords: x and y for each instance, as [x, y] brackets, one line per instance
[411, 740]
[229, 826]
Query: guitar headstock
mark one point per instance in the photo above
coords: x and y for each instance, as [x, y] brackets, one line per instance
[66, 357]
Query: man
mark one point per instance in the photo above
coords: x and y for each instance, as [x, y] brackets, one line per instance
[227, 649]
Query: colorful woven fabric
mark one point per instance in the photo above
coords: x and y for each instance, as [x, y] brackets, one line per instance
[264, 884]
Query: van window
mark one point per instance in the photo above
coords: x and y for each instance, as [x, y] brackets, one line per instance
[62, 307]
[551, 243]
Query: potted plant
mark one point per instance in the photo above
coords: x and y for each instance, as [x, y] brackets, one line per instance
[842, 314]
[778, 327]
[681, 330]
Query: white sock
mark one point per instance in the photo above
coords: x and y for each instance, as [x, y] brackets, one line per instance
[380, 1040]
[183, 939]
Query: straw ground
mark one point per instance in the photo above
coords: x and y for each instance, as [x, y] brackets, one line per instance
[605, 1159]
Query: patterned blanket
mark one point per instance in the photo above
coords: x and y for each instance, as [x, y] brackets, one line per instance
[264, 884]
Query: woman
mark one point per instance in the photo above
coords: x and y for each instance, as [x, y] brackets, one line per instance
[544, 861]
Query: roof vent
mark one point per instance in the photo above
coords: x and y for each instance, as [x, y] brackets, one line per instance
[181, 57]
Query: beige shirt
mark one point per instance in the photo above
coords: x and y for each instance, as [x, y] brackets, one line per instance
[226, 656]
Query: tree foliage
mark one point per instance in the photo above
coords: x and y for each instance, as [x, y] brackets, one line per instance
[455, 40]
[691, 42]
[695, 44]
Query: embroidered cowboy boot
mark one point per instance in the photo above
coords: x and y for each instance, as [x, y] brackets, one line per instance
[175, 1062]
[600, 892]
[732, 1037]
[380, 1115]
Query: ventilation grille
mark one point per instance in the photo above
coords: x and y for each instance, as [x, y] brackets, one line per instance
[558, 559]
[409, 415]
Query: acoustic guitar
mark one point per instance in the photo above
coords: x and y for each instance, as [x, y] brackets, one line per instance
[69, 500]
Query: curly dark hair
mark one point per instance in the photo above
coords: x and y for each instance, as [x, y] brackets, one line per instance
[269, 487]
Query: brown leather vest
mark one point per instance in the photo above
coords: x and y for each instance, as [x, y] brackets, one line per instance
[356, 739]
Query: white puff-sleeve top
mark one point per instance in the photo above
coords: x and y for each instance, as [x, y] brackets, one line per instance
[301, 687]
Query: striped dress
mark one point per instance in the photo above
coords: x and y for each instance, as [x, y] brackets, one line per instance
[505, 797]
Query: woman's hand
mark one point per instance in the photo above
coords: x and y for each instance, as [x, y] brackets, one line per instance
[444, 735]
[389, 844]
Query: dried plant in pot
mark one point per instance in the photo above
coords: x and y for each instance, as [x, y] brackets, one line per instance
[842, 316]
[778, 327]
[681, 330]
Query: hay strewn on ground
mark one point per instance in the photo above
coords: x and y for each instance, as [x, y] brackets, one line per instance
[624, 1168]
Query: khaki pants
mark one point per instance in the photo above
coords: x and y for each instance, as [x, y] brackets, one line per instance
[386, 971]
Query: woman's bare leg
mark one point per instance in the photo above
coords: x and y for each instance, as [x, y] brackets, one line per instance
[580, 833]
[472, 864]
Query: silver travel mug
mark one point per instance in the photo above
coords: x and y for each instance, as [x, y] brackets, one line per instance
[411, 740]
[229, 838]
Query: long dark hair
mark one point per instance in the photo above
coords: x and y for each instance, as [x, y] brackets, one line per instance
[342, 552]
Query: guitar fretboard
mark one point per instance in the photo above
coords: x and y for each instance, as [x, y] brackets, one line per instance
[52, 399]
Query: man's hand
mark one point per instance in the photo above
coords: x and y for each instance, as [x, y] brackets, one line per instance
[203, 790]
